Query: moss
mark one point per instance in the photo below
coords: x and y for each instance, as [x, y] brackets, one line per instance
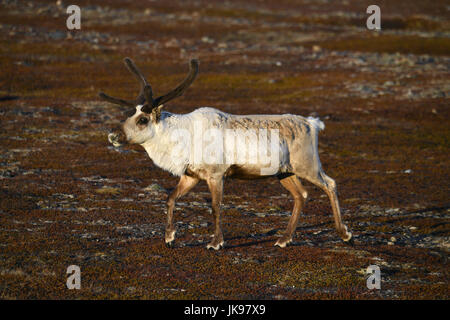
[412, 22]
[390, 44]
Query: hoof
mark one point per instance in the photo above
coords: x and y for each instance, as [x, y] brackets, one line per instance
[212, 246]
[350, 242]
[348, 236]
[282, 243]
[170, 238]
[170, 244]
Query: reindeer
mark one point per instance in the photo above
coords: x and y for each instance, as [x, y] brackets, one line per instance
[297, 148]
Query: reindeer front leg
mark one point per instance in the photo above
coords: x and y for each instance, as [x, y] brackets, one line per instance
[185, 184]
[216, 188]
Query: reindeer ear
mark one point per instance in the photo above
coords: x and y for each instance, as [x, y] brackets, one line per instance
[156, 113]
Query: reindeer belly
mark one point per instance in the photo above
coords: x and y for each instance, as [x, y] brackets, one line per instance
[245, 172]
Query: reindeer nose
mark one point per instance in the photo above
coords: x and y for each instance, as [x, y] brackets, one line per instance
[116, 139]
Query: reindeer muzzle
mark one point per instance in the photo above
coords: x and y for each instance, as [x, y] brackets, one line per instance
[117, 139]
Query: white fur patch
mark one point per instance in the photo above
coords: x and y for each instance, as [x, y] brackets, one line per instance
[317, 123]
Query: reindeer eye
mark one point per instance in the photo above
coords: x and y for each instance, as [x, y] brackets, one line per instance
[143, 121]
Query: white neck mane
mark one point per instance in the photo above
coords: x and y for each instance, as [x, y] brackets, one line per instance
[160, 146]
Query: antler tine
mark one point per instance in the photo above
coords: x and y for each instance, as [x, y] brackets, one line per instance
[122, 102]
[179, 90]
[146, 93]
[134, 70]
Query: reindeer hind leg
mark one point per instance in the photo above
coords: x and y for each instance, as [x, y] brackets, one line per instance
[328, 185]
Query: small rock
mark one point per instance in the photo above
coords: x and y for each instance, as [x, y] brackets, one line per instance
[108, 190]
[316, 48]
[172, 43]
[155, 188]
[207, 40]
[362, 271]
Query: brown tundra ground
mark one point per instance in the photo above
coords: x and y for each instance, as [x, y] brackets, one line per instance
[68, 197]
